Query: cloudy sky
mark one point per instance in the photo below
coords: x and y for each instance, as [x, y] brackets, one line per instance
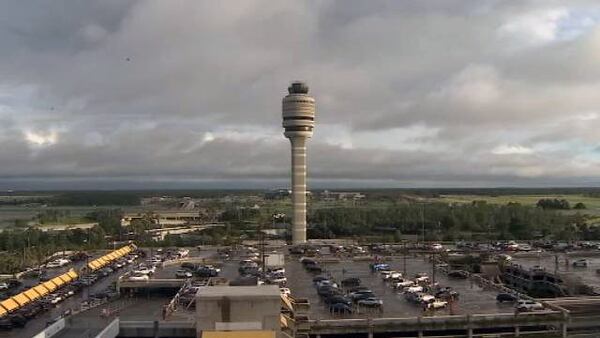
[146, 94]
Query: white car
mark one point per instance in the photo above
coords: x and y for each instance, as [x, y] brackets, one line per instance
[3, 286]
[277, 280]
[326, 282]
[213, 268]
[422, 279]
[436, 247]
[55, 299]
[139, 277]
[526, 305]
[183, 253]
[437, 304]
[413, 289]
[145, 270]
[426, 298]
[58, 263]
[277, 271]
[395, 275]
[183, 274]
[285, 291]
[385, 274]
[403, 284]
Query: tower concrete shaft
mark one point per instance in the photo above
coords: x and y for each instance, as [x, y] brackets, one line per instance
[298, 120]
[299, 189]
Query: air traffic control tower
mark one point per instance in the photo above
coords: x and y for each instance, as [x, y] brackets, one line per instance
[298, 121]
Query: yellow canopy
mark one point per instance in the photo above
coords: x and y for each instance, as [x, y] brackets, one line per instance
[111, 256]
[50, 285]
[9, 304]
[101, 261]
[65, 277]
[21, 299]
[32, 294]
[41, 289]
[72, 274]
[3, 311]
[59, 282]
[94, 265]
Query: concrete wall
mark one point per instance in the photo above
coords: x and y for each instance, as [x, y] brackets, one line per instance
[239, 310]
[111, 331]
[52, 330]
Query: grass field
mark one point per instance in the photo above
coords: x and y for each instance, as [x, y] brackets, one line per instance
[592, 203]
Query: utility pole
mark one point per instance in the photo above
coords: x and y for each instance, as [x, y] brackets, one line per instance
[423, 221]
[262, 250]
[433, 268]
[404, 253]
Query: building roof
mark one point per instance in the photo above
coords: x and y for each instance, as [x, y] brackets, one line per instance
[238, 334]
[233, 292]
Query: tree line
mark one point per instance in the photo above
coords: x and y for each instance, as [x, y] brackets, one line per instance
[442, 221]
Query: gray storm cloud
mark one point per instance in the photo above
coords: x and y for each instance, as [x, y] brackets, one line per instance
[427, 93]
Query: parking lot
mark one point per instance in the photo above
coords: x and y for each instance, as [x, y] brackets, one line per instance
[73, 296]
[472, 298]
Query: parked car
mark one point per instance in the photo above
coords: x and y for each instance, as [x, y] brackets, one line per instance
[526, 305]
[356, 296]
[338, 299]
[285, 291]
[370, 302]
[206, 272]
[506, 297]
[437, 304]
[580, 263]
[139, 277]
[57, 263]
[145, 270]
[403, 283]
[340, 308]
[317, 279]
[436, 247]
[183, 274]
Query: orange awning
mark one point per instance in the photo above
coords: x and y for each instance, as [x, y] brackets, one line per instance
[72, 274]
[21, 299]
[9, 304]
[59, 282]
[32, 294]
[65, 277]
[50, 286]
[41, 289]
[101, 261]
[94, 265]
[3, 311]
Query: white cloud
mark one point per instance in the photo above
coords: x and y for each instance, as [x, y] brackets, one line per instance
[41, 138]
[425, 91]
[534, 28]
[506, 149]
